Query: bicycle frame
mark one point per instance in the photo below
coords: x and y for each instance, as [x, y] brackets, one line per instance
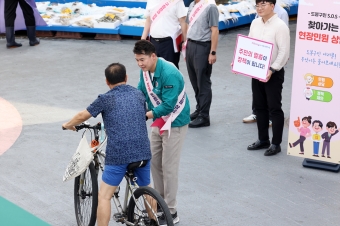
[120, 216]
[99, 154]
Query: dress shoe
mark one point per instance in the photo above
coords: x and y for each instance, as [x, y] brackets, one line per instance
[259, 145]
[194, 115]
[272, 150]
[200, 121]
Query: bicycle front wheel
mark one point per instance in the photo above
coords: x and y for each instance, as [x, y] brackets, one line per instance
[147, 207]
[86, 197]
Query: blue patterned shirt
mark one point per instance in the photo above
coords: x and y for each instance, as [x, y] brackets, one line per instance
[123, 112]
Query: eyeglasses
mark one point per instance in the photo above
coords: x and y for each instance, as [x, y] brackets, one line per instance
[261, 6]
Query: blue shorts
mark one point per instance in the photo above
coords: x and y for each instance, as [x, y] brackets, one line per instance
[114, 174]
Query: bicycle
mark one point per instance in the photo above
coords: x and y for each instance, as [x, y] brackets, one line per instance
[145, 207]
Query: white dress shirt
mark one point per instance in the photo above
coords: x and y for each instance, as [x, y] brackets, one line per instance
[274, 31]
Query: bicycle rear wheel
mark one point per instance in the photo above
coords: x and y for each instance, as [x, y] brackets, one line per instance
[86, 198]
[144, 209]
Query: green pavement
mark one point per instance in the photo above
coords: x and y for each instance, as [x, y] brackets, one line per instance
[13, 215]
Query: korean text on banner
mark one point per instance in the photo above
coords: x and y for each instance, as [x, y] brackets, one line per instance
[315, 113]
[252, 57]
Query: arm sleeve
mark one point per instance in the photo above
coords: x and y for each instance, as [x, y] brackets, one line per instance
[285, 18]
[169, 96]
[140, 85]
[147, 9]
[181, 10]
[189, 11]
[96, 107]
[282, 13]
[141, 88]
[250, 30]
[282, 39]
[213, 16]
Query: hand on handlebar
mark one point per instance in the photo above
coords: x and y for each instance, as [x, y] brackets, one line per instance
[65, 127]
[81, 126]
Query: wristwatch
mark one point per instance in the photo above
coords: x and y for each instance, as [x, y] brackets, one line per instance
[213, 53]
[272, 69]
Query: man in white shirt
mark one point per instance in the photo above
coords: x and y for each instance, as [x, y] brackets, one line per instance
[163, 24]
[283, 15]
[267, 96]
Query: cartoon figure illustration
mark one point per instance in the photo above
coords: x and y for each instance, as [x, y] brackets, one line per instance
[308, 93]
[309, 78]
[304, 133]
[316, 137]
[332, 129]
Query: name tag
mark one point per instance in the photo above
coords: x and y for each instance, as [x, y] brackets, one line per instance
[168, 86]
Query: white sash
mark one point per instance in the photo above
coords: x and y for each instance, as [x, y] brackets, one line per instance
[194, 15]
[164, 123]
[159, 11]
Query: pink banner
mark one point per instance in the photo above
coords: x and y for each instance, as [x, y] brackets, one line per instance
[315, 111]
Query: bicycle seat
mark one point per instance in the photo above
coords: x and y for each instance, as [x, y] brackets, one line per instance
[134, 165]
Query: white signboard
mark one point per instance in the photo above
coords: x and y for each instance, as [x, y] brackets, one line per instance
[252, 57]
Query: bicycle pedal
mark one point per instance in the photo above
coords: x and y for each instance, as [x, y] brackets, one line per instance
[118, 217]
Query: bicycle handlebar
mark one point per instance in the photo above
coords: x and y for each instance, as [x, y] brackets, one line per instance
[86, 125]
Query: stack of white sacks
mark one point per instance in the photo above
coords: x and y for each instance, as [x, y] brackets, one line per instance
[91, 16]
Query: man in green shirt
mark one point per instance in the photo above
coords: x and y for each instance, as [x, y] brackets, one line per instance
[163, 86]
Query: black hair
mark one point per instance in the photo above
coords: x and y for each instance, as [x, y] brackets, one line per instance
[318, 121]
[331, 124]
[309, 119]
[264, 1]
[144, 47]
[115, 73]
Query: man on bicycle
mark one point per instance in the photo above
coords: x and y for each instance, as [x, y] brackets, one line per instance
[163, 86]
[123, 111]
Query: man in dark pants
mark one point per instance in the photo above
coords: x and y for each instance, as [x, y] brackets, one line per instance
[200, 56]
[283, 15]
[10, 15]
[268, 95]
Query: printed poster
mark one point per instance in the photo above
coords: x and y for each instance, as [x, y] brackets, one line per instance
[252, 57]
[315, 102]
